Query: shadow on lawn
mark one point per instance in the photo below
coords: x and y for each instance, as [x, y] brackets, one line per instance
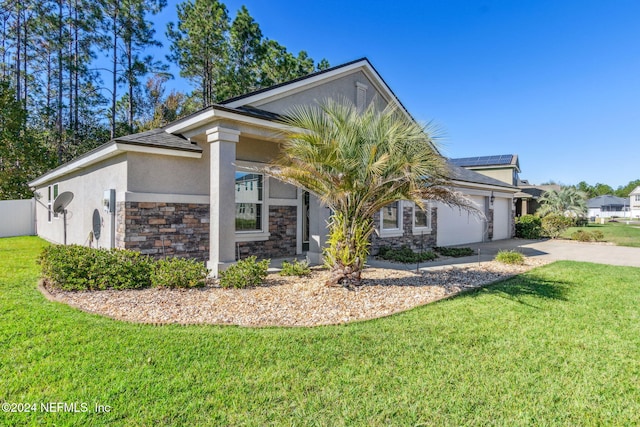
[521, 287]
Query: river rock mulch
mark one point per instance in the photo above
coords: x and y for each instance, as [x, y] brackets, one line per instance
[290, 301]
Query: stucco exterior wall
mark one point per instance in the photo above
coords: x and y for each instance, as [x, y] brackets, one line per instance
[255, 150]
[151, 173]
[88, 186]
[504, 175]
[338, 88]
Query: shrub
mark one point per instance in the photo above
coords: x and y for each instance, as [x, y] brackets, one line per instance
[528, 227]
[244, 273]
[510, 257]
[405, 255]
[454, 252]
[295, 268]
[582, 236]
[586, 236]
[76, 268]
[178, 273]
[554, 225]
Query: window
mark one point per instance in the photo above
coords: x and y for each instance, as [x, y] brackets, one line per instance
[637, 197]
[390, 218]
[49, 207]
[55, 196]
[249, 201]
[420, 217]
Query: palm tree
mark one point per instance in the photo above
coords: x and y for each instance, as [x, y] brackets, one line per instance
[356, 163]
[567, 201]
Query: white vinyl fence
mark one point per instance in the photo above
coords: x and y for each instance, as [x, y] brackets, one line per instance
[17, 218]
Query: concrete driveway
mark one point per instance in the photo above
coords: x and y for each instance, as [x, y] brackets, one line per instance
[551, 250]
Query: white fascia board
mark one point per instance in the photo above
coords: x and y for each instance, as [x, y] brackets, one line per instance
[196, 125]
[74, 165]
[105, 153]
[133, 148]
[190, 122]
[484, 186]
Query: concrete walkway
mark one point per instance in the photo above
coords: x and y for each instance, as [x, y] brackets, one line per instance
[551, 250]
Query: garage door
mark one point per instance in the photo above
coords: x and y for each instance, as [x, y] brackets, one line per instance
[458, 227]
[501, 218]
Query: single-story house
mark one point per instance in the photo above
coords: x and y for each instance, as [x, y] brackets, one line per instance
[634, 203]
[194, 188]
[608, 206]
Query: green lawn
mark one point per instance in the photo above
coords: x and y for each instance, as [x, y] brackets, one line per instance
[617, 232]
[557, 346]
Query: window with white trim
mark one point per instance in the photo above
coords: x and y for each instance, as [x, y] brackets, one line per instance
[49, 203]
[249, 201]
[390, 216]
[637, 197]
[55, 196]
[421, 218]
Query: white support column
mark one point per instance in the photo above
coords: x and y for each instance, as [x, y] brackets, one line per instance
[222, 208]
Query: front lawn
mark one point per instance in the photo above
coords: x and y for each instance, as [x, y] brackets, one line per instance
[556, 346]
[620, 233]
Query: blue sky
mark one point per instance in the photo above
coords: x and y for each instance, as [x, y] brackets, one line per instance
[556, 82]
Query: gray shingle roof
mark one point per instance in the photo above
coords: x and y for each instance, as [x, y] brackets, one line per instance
[607, 200]
[159, 138]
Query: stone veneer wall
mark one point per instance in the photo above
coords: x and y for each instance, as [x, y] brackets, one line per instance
[408, 238]
[182, 228]
[490, 224]
[282, 242]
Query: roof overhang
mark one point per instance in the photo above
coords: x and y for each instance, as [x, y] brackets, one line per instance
[106, 152]
[458, 183]
[193, 123]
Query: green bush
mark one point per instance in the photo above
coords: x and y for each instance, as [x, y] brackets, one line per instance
[244, 273]
[295, 268]
[178, 273]
[510, 257]
[554, 225]
[529, 227]
[586, 236]
[76, 268]
[454, 252]
[405, 255]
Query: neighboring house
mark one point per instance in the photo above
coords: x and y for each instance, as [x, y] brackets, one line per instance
[195, 188]
[634, 203]
[608, 206]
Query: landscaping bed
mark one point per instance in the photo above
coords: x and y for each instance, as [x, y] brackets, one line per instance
[289, 301]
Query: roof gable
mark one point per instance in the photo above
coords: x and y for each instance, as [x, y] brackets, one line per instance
[341, 81]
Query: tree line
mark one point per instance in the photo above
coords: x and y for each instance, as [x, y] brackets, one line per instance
[603, 189]
[76, 73]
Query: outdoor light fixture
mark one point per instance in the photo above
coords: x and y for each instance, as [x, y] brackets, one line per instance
[492, 199]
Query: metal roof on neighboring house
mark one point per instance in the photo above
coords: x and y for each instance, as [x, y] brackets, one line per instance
[607, 200]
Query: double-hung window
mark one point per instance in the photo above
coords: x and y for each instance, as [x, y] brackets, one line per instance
[249, 201]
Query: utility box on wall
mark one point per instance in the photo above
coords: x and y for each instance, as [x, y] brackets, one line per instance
[109, 201]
